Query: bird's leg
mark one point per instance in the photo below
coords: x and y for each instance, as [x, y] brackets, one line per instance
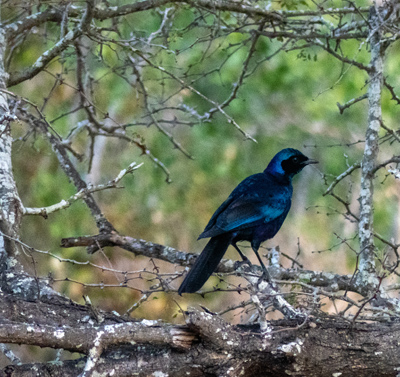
[245, 260]
[265, 276]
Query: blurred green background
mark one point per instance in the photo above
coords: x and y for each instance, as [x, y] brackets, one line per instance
[288, 99]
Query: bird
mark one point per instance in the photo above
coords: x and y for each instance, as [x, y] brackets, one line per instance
[253, 212]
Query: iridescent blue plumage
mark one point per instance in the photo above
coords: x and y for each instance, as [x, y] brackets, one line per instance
[254, 212]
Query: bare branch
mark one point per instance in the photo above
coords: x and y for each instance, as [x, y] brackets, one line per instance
[192, 89]
[66, 164]
[342, 108]
[150, 112]
[340, 177]
[45, 211]
[82, 338]
[45, 58]
[394, 134]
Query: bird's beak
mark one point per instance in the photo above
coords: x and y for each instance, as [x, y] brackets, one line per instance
[308, 162]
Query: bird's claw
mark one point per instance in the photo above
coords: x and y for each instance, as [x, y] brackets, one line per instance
[265, 277]
[238, 264]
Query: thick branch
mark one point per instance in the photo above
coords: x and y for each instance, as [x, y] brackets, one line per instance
[82, 338]
[224, 350]
[367, 273]
[10, 203]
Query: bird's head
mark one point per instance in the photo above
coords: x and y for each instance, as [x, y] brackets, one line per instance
[288, 162]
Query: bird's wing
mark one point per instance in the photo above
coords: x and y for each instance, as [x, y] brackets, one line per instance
[248, 184]
[214, 217]
[257, 199]
[246, 212]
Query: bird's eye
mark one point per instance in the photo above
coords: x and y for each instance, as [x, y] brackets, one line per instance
[295, 159]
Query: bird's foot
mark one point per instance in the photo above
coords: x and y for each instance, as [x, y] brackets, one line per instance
[245, 261]
[265, 277]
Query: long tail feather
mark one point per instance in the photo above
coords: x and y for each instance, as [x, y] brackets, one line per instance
[205, 264]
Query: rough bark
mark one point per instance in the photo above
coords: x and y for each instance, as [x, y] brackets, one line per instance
[11, 207]
[367, 277]
[205, 346]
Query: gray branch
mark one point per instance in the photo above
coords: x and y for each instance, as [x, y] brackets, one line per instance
[367, 271]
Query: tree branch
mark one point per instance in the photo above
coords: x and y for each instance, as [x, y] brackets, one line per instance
[45, 211]
[367, 271]
[330, 282]
[83, 338]
[65, 163]
[225, 350]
